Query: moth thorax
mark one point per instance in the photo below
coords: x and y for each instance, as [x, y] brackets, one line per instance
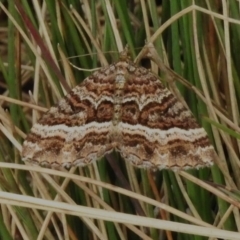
[118, 98]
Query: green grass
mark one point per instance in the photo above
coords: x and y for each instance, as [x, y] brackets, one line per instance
[199, 43]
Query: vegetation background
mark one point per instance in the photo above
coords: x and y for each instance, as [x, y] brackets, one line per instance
[40, 43]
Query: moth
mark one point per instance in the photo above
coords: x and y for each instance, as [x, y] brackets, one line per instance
[125, 108]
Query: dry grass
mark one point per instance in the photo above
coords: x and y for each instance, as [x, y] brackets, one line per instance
[41, 43]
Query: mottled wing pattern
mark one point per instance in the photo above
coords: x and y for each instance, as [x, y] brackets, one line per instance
[157, 131]
[124, 108]
[77, 130]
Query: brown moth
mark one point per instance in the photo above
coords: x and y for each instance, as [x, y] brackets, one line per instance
[125, 108]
